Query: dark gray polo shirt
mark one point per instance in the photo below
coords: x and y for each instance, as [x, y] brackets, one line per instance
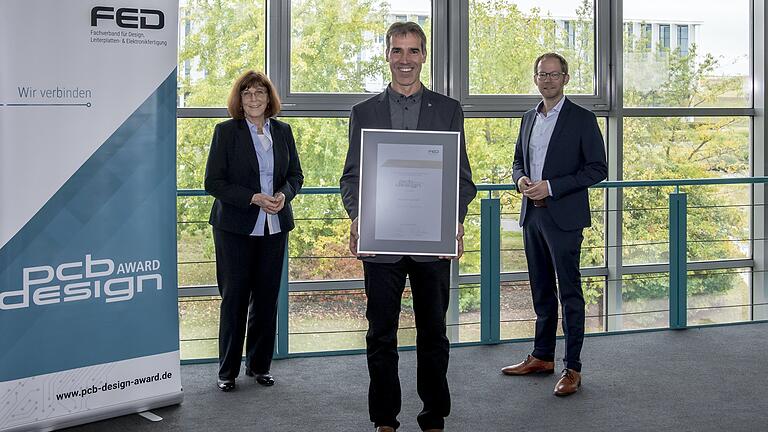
[404, 110]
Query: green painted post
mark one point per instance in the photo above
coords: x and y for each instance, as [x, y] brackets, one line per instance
[490, 270]
[678, 261]
[282, 311]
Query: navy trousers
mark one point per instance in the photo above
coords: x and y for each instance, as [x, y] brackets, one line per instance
[553, 260]
[248, 270]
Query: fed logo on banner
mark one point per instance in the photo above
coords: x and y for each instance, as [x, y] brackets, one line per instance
[126, 18]
[151, 19]
[83, 280]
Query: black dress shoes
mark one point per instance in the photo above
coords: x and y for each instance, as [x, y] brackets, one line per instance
[264, 379]
[226, 385]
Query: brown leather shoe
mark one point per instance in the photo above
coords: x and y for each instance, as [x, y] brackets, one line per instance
[569, 383]
[529, 366]
[385, 429]
[433, 430]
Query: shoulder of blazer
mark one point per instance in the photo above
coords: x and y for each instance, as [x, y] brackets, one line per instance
[227, 130]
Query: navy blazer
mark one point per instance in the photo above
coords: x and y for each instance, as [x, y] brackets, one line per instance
[437, 113]
[575, 161]
[232, 175]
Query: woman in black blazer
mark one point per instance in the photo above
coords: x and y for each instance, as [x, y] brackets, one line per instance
[253, 171]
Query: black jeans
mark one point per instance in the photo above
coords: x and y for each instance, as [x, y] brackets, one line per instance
[553, 252]
[248, 270]
[430, 286]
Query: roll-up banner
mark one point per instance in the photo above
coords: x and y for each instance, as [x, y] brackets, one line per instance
[88, 291]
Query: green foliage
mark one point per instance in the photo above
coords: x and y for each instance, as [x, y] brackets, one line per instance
[326, 40]
[331, 51]
[500, 27]
[505, 41]
[469, 299]
[227, 39]
[699, 283]
[662, 148]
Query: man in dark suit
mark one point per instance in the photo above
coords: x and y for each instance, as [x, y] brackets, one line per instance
[559, 154]
[406, 104]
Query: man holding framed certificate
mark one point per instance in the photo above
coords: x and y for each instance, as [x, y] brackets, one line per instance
[415, 183]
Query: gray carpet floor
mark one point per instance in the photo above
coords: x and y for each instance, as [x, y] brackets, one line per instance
[705, 379]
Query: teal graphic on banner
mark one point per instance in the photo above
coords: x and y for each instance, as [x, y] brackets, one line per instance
[91, 278]
[88, 292]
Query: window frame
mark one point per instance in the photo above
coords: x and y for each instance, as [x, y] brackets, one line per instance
[450, 42]
[518, 104]
[665, 36]
[680, 30]
[330, 104]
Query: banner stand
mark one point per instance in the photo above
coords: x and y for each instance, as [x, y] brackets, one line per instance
[88, 282]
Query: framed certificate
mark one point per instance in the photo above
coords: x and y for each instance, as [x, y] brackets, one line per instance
[409, 192]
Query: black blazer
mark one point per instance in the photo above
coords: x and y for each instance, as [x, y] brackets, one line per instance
[575, 161]
[438, 113]
[232, 175]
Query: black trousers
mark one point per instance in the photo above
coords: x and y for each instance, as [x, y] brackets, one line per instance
[553, 252]
[248, 270]
[430, 285]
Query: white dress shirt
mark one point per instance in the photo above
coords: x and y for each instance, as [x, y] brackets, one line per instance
[543, 126]
[262, 143]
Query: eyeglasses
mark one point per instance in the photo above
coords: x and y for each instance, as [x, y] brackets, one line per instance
[553, 75]
[245, 94]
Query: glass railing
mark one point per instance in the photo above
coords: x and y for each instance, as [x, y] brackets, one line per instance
[659, 254]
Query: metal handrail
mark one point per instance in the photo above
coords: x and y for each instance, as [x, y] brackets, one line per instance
[508, 186]
[490, 280]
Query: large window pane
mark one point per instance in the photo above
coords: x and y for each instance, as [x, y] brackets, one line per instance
[646, 225]
[686, 53]
[193, 136]
[322, 145]
[645, 301]
[717, 223]
[331, 320]
[340, 47]
[194, 241]
[465, 327]
[218, 40]
[714, 296]
[505, 37]
[470, 261]
[686, 147]
[318, 247]
[718, 296]
[199, 327]
[491, 148]
[196, 257]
